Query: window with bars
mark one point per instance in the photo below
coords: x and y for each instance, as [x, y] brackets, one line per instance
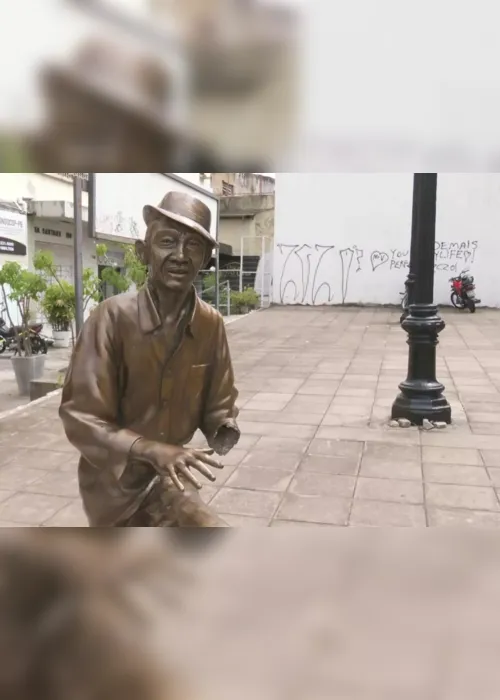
[227, 189]
[62, 272]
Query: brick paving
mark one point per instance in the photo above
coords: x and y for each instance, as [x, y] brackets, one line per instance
[316, 387]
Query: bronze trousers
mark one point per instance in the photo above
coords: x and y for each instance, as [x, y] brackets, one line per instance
[166, 506]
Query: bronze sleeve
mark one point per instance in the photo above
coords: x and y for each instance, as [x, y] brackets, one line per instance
[220, 406]
[90, 398]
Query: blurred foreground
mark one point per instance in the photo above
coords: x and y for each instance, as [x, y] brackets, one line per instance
[146, 85]
[249, 85]
[361, 615]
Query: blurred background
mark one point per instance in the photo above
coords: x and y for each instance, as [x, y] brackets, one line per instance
[126, 84]
[249, 85]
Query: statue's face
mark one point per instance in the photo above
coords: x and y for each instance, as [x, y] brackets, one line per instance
[174, 254]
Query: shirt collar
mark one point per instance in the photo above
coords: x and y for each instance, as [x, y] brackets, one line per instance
[149, 318]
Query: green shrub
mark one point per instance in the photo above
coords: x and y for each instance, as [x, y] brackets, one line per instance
[248, 299]
[59, 305]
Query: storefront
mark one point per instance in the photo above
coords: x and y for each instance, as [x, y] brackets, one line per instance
[56, 238]
[13, 247]
[52, 229]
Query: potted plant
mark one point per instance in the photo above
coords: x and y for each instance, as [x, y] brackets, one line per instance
[58, 305]
[245, 301]
[23, 288]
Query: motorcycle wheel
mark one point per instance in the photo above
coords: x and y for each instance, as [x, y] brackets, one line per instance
[471, 305]
[3, 345]
[38, 345]
[457, 301]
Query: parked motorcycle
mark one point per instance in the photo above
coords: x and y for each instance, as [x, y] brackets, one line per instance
[39, 344]
[463, 292]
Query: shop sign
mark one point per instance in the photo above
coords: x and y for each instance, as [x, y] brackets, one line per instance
[53, 233]
[8, 246]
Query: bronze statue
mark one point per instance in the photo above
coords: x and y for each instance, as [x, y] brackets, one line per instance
[72, 623]
[148, 370]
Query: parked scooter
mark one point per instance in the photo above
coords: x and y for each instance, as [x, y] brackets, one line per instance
[463, 292]
[39, 344]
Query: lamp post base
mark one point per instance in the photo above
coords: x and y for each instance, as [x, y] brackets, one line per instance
[419, 405]
[421, 394]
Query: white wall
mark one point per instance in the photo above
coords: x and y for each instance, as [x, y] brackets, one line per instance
[14, 186]
[342, 238]
[121, 197]
[195, 179]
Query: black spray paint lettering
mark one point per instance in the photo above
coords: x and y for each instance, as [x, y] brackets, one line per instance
[399, 259]
[347, 256]
[446, 267]
[323, 268]
[287, 281]
[378, 258]
[464, 251]
[312, 274]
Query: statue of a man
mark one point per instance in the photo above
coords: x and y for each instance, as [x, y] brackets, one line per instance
[149, 369]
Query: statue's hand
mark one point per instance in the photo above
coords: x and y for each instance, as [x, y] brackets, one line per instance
[174, 461]
[225, 439]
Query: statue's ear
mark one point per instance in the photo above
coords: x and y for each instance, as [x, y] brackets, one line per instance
[142, 252]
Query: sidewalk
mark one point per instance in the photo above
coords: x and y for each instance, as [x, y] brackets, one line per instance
[316, 387]
[9, 393]
[57, 359]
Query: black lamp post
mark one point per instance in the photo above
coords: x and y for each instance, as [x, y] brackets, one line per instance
[410, 280]
[421, 394]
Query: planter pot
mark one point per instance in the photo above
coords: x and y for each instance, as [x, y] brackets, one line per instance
[61, 339]
[26, 369]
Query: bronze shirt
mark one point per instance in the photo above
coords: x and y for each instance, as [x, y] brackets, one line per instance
[121, 386]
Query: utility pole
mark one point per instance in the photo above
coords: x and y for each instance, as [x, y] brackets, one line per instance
[421, 394]
[78, 251]
[91, 195]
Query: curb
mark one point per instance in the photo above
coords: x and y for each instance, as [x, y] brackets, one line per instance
[27, 406]
[239, 318]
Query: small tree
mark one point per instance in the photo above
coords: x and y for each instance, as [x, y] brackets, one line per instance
[92, 287]
[22, 287]
[59, 303]
[134, 272]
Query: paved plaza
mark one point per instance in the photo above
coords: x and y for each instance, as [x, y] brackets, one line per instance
[316, 386]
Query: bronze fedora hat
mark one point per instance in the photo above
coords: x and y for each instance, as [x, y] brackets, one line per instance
[185, 209]
[132, 80]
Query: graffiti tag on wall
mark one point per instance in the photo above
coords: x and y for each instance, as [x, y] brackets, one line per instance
[312, 273]
[449, 256]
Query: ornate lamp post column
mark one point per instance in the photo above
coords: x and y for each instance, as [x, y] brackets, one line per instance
[421, 394]
[410, 280]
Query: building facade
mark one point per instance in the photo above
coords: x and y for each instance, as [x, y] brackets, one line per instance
[247, 223]
[37, 213]
[345, 238]
[227, 184]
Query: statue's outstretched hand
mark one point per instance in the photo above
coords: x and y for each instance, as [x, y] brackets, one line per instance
[176, 462]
